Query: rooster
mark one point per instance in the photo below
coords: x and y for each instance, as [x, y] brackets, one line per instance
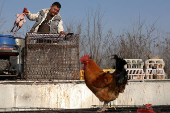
[19, 21]
[105, 86]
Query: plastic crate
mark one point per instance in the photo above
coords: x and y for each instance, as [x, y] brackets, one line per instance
[105, 70]
[158, 63]
[134, 63]
[155, 74]
[109, 70]
[135, 73]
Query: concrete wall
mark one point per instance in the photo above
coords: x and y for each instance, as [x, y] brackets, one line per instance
[76, 95]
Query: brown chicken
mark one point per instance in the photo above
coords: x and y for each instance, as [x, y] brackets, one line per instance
[105, 86]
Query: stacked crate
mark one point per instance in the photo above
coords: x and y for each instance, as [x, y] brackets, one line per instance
[154, 69]
[52, 57]
[134, 68]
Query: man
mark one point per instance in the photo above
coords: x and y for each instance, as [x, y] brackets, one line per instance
[47, 20]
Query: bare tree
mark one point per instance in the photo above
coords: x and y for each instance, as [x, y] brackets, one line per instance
[2, 19]
[133, 43]
[137, 43]
[73, 26]
[164, 51]
[93, 41]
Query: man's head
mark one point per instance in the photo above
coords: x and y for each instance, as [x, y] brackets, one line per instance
[55, 8]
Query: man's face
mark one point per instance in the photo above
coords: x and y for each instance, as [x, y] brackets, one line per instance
[54, 10]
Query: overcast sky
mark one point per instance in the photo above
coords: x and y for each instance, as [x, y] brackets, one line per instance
[118, 14]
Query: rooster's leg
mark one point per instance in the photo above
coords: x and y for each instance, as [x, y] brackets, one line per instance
[104, 108]
[13, 27]
[17, 29]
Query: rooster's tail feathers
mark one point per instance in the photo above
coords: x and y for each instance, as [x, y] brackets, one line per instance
[115, 56]
[123, 76]
[121, 72]
[119, 63]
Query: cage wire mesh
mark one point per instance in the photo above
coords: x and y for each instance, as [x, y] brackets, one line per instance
[52, 57]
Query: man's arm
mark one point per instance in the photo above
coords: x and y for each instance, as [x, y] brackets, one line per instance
[31, 16]
[60, 27]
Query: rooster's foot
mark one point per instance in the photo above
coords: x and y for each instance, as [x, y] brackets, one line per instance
[102, 109]
[111, 106]
[15, 32]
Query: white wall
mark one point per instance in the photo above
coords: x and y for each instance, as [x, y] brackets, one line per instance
[77, 95]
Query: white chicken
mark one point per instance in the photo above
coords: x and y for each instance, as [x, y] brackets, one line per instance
[19, 21]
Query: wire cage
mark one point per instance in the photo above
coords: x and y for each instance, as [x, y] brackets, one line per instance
[52, 57]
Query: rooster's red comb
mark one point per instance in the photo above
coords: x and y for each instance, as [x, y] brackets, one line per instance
[84, 58]
[24, 10]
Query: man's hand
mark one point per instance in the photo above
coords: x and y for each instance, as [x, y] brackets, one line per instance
[26, 12]
[62, 32]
